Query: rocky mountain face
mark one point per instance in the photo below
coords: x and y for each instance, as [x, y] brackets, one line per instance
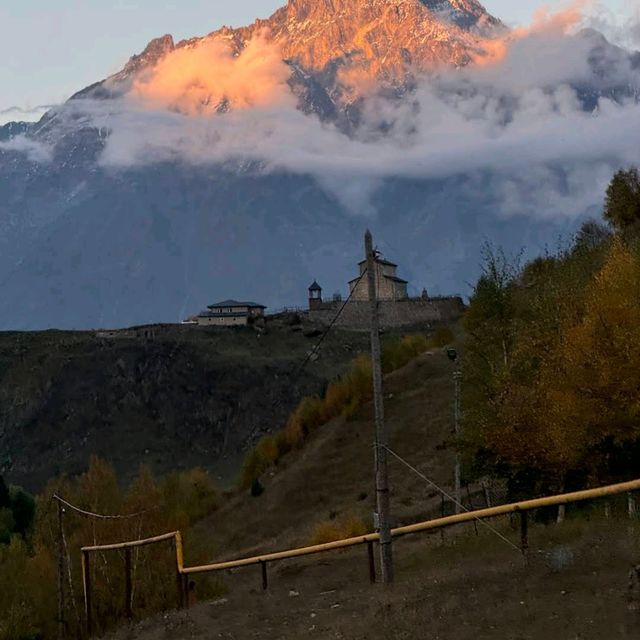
[382, 38]
[334, 46]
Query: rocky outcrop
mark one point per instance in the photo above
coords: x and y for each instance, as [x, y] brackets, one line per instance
[337, 45]
[186, 397]
[387, 39]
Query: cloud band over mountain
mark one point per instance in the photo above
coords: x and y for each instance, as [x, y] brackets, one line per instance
[523, 119]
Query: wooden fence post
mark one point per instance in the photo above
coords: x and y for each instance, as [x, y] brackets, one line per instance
[475, 522]
[182, 580]
[128, 588]
[524, 534]
[372, 562]
[487, 496]
[442, 512]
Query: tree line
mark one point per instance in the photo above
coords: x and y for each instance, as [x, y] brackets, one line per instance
[552, 357]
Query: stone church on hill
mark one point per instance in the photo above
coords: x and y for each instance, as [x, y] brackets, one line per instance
[388, 285]
[395, 307]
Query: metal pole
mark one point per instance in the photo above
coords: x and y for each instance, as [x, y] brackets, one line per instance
[457, 375]
[61, 563]
[382, 476]
[87, 591]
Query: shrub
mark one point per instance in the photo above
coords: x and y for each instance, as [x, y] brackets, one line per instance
[442, 337]
[191, 492]
[23, 508]
[399, 353]
[258, 460]
[257, 488]
[351, 526]
[5, 496]
[310, 414]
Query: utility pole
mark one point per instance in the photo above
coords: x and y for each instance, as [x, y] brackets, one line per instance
[382, 475]
[61, 624]
[457, 378]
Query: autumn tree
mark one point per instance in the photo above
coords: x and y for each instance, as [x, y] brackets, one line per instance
[622, 205]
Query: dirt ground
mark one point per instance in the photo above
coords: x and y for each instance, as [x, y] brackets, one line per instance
[574, 586]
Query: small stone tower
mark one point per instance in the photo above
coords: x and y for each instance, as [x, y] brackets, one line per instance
[315, 296]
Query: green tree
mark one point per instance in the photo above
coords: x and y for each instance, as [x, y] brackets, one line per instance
[5, 498]
[622, 205]
[23, 507]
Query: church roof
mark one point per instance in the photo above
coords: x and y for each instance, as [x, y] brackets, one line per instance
[396, 279]
[236, 303]
[315, 286]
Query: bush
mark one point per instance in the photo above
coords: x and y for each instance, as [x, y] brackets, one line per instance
[191, 492]
[23, 507]
[351, 526]
[399, 353]
[442, 337]
[259, 459]
[257, 488]
[5, 496]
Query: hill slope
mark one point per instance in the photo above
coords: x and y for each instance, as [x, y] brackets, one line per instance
[461, 586]
[186, 397]
[332, 477]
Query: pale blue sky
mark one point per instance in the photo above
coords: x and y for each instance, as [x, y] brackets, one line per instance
[51, 48]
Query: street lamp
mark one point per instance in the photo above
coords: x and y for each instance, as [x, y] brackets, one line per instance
[452, 354]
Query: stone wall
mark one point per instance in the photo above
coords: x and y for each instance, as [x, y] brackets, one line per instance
[393, 314]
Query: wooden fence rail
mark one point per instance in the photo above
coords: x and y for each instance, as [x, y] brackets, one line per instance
[174, 536]
[182, 572]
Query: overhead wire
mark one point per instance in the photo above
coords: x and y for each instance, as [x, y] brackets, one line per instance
[101, 516]
[331, 324]
[446, 494]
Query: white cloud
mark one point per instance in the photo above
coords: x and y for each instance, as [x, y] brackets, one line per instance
[20, 114]
[35, 151]
[519, 122]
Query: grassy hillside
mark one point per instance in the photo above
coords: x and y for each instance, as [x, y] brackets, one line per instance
[332, 476]
[462, 585]
[575, 586]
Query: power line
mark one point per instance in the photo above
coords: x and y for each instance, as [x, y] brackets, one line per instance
[331, 325]
[447, 495]
[101, 516]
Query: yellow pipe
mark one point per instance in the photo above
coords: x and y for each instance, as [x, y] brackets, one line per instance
[527, 505]
[439, 523]
[284, 555]
[135, 543]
